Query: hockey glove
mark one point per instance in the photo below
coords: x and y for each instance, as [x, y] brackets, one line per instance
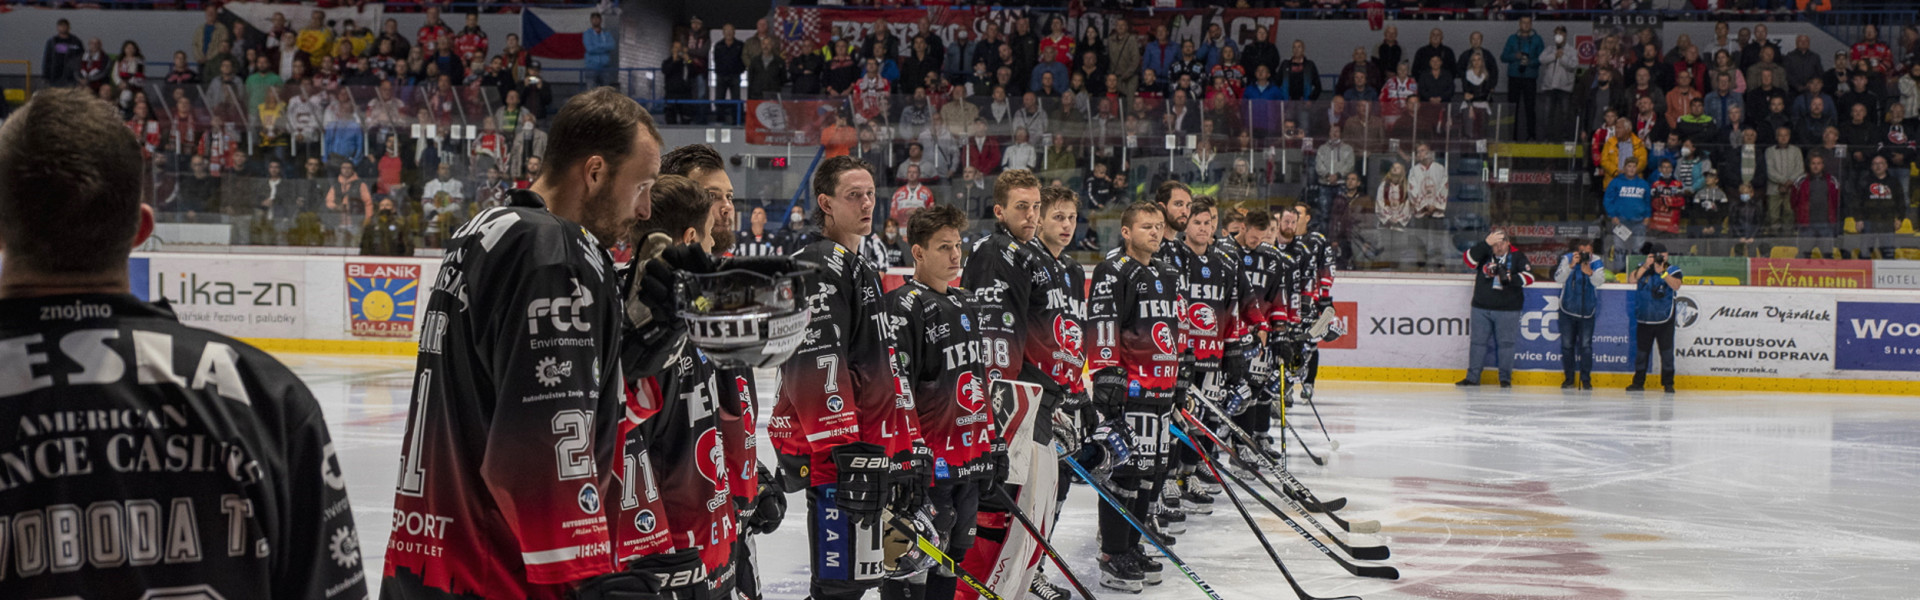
[655, 335]
[768, 507]
[998, 466]
[1110, 391]
[657, 577]
[912, 480]
[1239, 397]
[1111, 445]
[862, 487]
[1066, 429]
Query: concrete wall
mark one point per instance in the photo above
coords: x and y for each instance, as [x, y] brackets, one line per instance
[24, 31]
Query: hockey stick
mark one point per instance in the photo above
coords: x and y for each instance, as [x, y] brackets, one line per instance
[1121, 508]
[1014, 508]
[1259, 460]
[1335, 444]
[1376, 572]
[1255, 526]
[1362, 553]
[1303, 443]
[941, 557]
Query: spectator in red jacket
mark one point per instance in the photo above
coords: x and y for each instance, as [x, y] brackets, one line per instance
[982, 151]
[1816, 199]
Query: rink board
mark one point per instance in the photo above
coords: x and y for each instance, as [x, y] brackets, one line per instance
[1732, 338]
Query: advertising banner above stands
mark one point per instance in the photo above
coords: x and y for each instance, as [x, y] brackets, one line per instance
[805, 29]
[1801, 272]
[1896, 274]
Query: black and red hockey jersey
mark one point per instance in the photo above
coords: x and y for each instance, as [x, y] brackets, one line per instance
[1255, 272]
[1212, 283]
[515, 420]
[1316, 257]
[841, 386]
[1073, 326]
[1287, 297]
[143, 455]
[737, 430]
[942, 353]
[1136, 313]
[1027, 313]
[679, 412]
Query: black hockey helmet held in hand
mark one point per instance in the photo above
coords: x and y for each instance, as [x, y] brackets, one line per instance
[747, 313]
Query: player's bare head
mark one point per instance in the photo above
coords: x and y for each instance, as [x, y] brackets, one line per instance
[70, 186]
[1016, 202]
[1306, 215]
[1288, 221]
[1059, 215]
[1202, 219]
[692, 160]
[843, 193]
[1259, 224]
[1140, 227]
[604, 146]
[1177, 199]
[934, 232]
[681, 209]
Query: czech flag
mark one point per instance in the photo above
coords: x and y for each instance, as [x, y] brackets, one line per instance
[555, 32]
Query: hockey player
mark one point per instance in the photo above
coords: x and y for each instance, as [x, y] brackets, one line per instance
[941, 353]
[514, 425]
[1073, 418]
[1263, 282]
[761, 506]
[1026, 315]
[259, 511]
[1212, 281]
[1315, 267]
[1134, 312]
[843, 426]
[1176, 204]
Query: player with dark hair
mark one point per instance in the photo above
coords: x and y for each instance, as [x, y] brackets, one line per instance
[1315, 269]
[259, 510]
[514, 428]
[941, 356]
[1059, 217]
[1134, 311]
[845, 431]
[1032, 338]
[755, 499]
[705, 166]
[1176, 205]
[1263, 283]
[1212, 287]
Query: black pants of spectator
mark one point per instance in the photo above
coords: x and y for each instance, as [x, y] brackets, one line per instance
[728, 88]
[1560, 116]
[1576, 347]
[1644, 338]
[1521, 91]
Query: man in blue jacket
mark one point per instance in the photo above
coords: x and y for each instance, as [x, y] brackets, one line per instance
[1522, 56]
[599, 43]
[1580, 274]
[1656, 283]
[1628, 204]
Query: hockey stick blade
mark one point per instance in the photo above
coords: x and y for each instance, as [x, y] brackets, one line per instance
[1145, 535]
[1265, 461]
[945, 561]
[1251, 524]
[1303, 446]
[1362, 553]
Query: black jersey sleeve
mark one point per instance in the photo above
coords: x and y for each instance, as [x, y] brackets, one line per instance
[320, 550]
[1002, 284]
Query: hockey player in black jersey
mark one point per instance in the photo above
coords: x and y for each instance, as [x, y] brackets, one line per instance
[761, 505]
[941, 353]
[1314, 272]
[103, 395]
[1134, 313]
[844, 428]
[1212, 287]
[1247, 363]
[1074, 418]
[514, 426]
[1176, 203]
[1026, 315]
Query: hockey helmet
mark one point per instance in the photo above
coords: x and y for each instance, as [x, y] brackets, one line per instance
[902, 556]
[744, 317]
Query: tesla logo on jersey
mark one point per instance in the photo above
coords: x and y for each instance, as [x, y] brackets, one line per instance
[834, 403]
[1202, 318]
[1163, 337]
[968, 392]
[709, 449]
[589, 499]
[1066, 333]
[644, 521]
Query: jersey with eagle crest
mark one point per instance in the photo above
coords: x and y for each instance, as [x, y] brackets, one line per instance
[679, 423]
[1026, 313]
[1212, 295]
[1135, 311]
[942, 353]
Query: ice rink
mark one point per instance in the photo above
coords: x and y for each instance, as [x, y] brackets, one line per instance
[1484, 493]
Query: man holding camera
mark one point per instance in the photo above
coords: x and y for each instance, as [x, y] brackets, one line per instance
[1656, 283]
[1499, 293]
[1580, 274]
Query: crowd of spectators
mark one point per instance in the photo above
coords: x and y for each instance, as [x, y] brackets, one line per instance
[1370, 146]
[298, 134]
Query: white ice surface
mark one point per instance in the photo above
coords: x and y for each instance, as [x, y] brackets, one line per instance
[1483, 493]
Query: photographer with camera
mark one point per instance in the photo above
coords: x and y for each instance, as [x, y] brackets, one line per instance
[1656, 283]
[1580, 274]
[1499, 294]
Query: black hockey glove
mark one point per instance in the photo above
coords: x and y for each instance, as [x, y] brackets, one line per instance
[912, 479]
[1066, 429]
[655, 333]
[768, 507]
[1110, 391]
[864, 478]
[669, 576]
[1110, 445]
[998, 466]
